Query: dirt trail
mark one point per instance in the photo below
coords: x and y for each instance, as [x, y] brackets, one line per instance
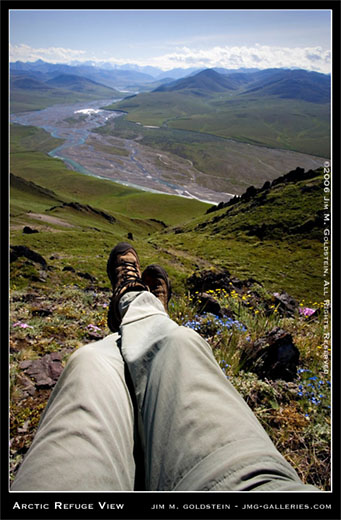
[51, 220]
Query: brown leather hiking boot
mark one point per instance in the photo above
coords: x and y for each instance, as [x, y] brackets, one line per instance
[158, 282]
[124, 273]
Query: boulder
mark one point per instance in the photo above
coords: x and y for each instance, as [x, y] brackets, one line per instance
[18, 251]
[203, 281]
[41, 312]
[285, 304]
[29, 231]
[207, 303]
[266, 186]
[249, 193]
[273, 356]
[69, 268]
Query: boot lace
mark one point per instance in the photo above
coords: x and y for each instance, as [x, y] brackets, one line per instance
[129, 274]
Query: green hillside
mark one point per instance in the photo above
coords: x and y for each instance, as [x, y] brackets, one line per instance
[31, 139]
[234, 236]
[265, 116]
[80, 84]
[269, 240]
[274, 237]
[38, 181]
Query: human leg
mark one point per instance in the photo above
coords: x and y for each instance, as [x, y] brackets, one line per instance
[85, 438]
[199, 434]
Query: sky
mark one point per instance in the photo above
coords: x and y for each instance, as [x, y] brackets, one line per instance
[175, 38]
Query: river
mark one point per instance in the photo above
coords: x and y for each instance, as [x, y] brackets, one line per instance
[120, 160]
[128, 162]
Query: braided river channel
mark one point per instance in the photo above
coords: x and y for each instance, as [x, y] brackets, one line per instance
[120, 160]
[128, 162]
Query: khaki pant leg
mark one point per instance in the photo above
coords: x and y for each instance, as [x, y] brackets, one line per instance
[199, 434]
[85, 437]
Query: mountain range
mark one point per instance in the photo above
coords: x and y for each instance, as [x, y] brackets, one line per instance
[207, 80]
[35, 90]
[276, 108]
[109, 76]
[68, 81]
[290, 84]
[285, 83]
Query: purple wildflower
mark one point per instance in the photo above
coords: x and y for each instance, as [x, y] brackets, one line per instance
[22, 325]
[306, 311]
[93, 327]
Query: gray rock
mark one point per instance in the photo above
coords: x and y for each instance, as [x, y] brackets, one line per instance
[45, 371]
[208, 304]
[286, 305]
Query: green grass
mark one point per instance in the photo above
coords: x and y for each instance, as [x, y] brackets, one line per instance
[31, 139]
[285, 259]
[279, 123]
[40, 183]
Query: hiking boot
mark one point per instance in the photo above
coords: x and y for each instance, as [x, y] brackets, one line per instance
[124, 273]
[158, 282]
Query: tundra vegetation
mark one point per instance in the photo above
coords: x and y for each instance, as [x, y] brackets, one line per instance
[241, 284]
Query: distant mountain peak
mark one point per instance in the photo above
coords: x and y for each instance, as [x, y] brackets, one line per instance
[210, 73]
[207, 80]
[67, 80]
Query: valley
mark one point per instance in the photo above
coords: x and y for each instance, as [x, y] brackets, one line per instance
[66, 223]
[190, 164]
[208, 136]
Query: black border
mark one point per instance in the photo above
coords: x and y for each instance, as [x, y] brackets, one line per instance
[138, 505]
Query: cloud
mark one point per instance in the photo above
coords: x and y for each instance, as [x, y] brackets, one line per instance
[51, 54]
[230, 57]
[260, 56]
